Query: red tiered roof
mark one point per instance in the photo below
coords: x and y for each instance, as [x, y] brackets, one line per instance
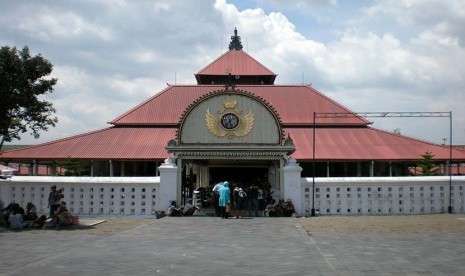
[237, 63]
[143, 132]
[148, 143]
[357, 144]
[111, 143]
[294, 104]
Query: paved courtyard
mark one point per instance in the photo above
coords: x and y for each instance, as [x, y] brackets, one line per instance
[255, 246]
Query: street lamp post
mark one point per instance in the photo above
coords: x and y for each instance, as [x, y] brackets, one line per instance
[313, 168]
[450, 163]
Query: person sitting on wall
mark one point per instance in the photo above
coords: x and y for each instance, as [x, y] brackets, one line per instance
[62, 217]
[16, 220]
[39, 222]
[30, 215]
[270, 210]
[280, 208]
[13, 207]
[288, 208]
[174, 210]
[31, 212]
[189, 209]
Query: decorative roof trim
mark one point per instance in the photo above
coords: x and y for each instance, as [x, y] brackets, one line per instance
[230, 154]
[230, 91]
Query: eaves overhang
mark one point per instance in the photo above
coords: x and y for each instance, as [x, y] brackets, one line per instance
[236, 151]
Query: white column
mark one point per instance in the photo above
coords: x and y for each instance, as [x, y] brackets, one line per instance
[122, 168]
[292, 184]
[35, 170]
[111, 167]
[203, 176]
[280, 176]
[168, 184]
[92, 168]
[372, 168]
[327, 169]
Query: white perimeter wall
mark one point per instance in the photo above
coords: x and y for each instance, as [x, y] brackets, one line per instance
[87, 195]
[383, 195]
[140, 196]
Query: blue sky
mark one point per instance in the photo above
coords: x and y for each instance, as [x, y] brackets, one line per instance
[384, 55]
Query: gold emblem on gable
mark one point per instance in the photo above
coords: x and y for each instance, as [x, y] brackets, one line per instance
[230, 122]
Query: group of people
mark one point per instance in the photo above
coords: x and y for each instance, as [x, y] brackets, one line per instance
[58, 212]
[16, 217]
[250, 201]
[280, 208]
[178, 211]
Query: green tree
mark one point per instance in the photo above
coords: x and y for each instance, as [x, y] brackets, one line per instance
[22, 84]
[427, 165]
[71, 166]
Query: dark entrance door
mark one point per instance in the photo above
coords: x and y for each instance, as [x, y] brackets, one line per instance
[245, 175]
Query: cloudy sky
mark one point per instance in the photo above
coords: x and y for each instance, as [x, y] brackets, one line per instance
[370, 56]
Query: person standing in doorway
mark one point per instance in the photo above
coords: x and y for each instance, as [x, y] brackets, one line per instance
[216, 198]
[225, 200]
[252, 200]
[239, 198]
[261, 201]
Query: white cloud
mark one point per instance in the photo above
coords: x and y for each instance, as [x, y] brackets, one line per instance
[443, 18]
[111, 55]
[48, 24]
[367, 69]
[126, 88]
[305, 6]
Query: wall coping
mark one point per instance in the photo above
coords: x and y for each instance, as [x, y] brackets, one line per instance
[84, 179]
[382, 179]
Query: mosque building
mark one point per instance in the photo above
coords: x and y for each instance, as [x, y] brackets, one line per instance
[236, 124]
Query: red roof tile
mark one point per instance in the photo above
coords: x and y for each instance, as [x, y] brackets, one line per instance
[363, 144]
[294, 104]
[236, 62]
[332, 144]
[110, 143]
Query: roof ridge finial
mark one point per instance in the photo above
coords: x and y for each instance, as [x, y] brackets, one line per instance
[235, 43]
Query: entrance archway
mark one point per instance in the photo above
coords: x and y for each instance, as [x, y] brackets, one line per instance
[242, 174]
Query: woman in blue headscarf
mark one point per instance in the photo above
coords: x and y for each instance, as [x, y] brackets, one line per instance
[225, 200]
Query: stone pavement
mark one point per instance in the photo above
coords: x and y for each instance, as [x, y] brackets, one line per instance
[213, 246]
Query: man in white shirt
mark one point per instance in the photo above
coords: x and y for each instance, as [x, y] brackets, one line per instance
[16, 220]
[216, 198]
[217, 187]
